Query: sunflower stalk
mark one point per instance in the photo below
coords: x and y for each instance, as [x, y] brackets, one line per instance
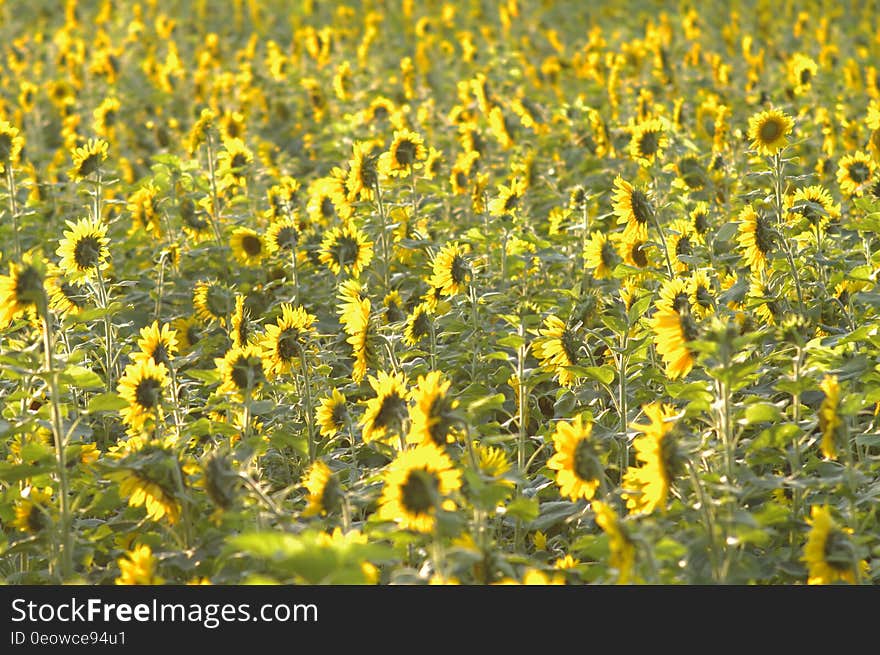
[383, 237]
[307, 400]
[706, 508]
[786, 246]
[104, 302]
[13, 208]
[215, 196]
[65, 527]
[522, 421]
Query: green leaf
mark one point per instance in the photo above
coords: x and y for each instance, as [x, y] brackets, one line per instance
[106, 402]
[211, 376]
[82, 377]
[524, 509]
[762, 413]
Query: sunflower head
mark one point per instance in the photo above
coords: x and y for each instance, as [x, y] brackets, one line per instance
[142, 385]
[324, 490]
[241, 370]
[83, 250]
[346, 249]
[451, 269]
[577, 459]
[23, 291]
[247, 246]
[385, 413]
[769, 131]
[87, 159]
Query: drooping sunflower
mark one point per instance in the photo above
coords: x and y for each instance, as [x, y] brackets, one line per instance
[105, 116]
[647, 485]
[600, 254]
[11, 143]
[346, 249]
[576, 459]
[801, 71]
[769, 130]
[855, 173]
[363, 172]
[195, 220]
[407, 149]
[506, 202]
[142, 385]
[634, 251]
[681, 243]
[286, 341]
[674, 326]
[189, 331]
[158, 344]
[332, 414]
[558, 348]
[360, 331]
[247, 246]
[328, 202]
[815, 205]
[829, 553]
[87, 159]
[647, 141]
[65, 297]
[241, 370]
[762, 300]
[146, 474]
[282, 235]
[394, 311]
[325, 493]
[432, 416]
[385, 412]
[830, 422]
[699, 216]
[756, 238]
[451, 269]
[138, 567]
[633, 209]
[418, 325]
[22, 292]
[623, 550]
[233, 162]
[701, 293]
[213, 301]
[83, 250]
[242, 329]
[415, 486]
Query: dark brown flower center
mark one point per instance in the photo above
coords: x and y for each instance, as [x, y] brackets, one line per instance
[641, 207]
[289, 343]
[148, 392]
[419, 494]
[392, 410]
[769, 131]
[460, 271]
[87, 252]
[587, 466]
[859, 172]
[252, 245]
[405, 153]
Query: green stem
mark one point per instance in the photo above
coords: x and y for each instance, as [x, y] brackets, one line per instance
[215, 197]
[383, 236]
[109, 360]
[707, 517]
[13, 208]
[307, 399]
[786, 246]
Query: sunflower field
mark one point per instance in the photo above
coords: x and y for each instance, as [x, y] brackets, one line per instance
[396, 292]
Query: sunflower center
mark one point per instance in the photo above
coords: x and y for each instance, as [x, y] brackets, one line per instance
[641, 207]
[638, 255]
[683, 247]
[286, 237]
[28, 285]
[5, 146]
[72, 294]
[36, 521]
[461, 179]
[689, 328]
[246, 372]
[147, 393]
[420, 326]
[838, 552]
[394, 313]
[328, 210]
[570, 345]
[160, 353]
[440, 420]
[671, 457]
[769, 131]
[339, 415]
[218, 302]
[608, 254]
[392, 410]
[345, 251]
[701, 222]
[288, 343]
[87, 252]
[405, 153]
[460, 271]
[89, 164]
[763, 235]
[859, 172]
[330, 495]
[510, 202]
[586, 461]
[419, 493]
[689, 170]
[252, 245]
[367, 175]
[806, 75]
[238, 160]
[704, 298]
[649, 143]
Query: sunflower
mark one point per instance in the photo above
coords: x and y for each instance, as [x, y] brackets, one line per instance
[147, 475]
[87, 159]
[558, 348]
[328, 201]
[829, 553]
[680, 243]
[674, 327]
[282, 198]
[325, 494]
[83, 250]
[65, 297]
[815, 205]
[384, 413]
[105, 116]
[600, 254]
[432, 416]
[462, 170]
[143, 205]
[801, 71]
[855, 173]
[691, 174]
[762, 300]
[699, 217]
[647, 141]
[32, 511]
[418, 324]
[195, 220]
[505, 203]
[623, 550]
[363, 172]
[451, 270]
[247, 246]
[242, 329]
[346, 249]
[576, 459]
[141, 386]
[282, 234]
[359, 331]
[415, 485]
[433, 164]
[285, 342]
[633, 208]
[213, 301]
[158, 344]
[11, 143]
[768, 131]
[701, 293]
[189, 331]
[332, 414]
[634, 251]
[22, 292]
[233, 161]
[647, 486]
[241, 370]
[407, 149]
[137, 567]
[830, 423]
[756, 238]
